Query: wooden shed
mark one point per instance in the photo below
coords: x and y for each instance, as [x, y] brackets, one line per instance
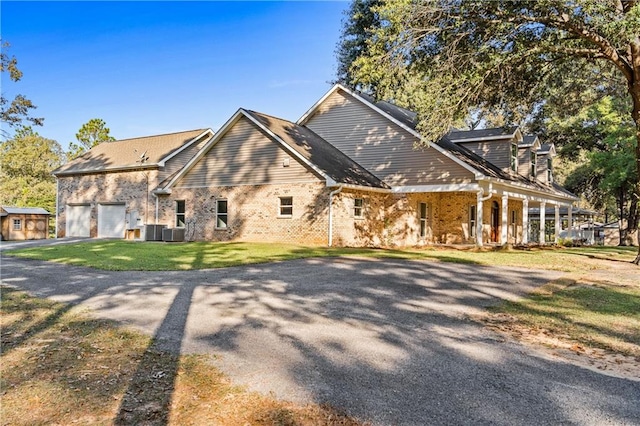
[24, 223]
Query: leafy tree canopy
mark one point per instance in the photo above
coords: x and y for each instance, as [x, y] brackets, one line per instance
[447, 58]
[92, 133]
[27, 162]
[14, 111]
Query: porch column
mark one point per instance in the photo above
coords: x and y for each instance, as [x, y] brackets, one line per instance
[543, 206]
[570, 221]
[504, 232]
[479, 220]
[525, 221]
[557, 233]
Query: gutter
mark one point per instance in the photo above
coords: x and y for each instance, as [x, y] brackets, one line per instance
[331, 194]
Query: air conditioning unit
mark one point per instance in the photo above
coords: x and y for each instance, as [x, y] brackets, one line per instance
[173, 235]
[153, 232]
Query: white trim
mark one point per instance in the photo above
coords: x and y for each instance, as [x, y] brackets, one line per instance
[288, 148]
[452, 187]
[165, 191]
[484, 138]
[550, 195]
[224, 129]
[434, 145]
[57, 204]
[162, 161]
[361, 187]
[206, 148]
[149, 166]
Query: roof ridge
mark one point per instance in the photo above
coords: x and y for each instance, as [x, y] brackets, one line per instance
[162, 134]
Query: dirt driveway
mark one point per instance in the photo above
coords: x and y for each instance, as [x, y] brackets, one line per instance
[388, 341]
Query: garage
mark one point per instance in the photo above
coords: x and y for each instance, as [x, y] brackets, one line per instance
[111, 220]
[78, 220]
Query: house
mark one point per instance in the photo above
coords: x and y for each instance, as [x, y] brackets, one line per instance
[24, 223]
[109, 189]
[351, 171]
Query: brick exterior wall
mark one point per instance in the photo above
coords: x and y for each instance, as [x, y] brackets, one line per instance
[128, 187]
[253, 213]
[388, 219]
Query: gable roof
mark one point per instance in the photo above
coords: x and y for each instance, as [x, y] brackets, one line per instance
[547, 148]
[128, 153]
[529, 141]
[24, 210]
[302, 143]
[459, 153]
[483, 134]
[339, 167]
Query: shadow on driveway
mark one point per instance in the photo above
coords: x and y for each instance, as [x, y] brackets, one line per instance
[389, 341]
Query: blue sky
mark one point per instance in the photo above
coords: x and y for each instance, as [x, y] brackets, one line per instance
[159, 67]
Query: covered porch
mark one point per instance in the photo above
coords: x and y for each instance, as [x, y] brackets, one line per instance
[522, 216]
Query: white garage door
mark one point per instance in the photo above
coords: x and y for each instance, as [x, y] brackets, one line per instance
[78, 221]
[111, 220]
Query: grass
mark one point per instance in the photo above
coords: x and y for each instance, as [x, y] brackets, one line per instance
[59, 366]
[592, 314]
[151, 256]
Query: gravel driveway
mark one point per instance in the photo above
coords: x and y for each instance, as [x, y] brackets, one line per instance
[388, 341]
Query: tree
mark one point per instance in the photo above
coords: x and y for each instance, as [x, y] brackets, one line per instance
[27, 162]
[445, 58]
[361, 20]
[14, 112]
[92, 133]
[604, 135]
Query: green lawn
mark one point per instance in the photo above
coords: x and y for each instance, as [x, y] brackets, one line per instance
[122, 255]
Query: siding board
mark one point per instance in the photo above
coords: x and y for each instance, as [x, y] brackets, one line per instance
[496, 152]
[176, 163]
[380, 146]
[245, 156]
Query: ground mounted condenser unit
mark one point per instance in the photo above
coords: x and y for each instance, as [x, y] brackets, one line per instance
[173, 234]
[153, 232]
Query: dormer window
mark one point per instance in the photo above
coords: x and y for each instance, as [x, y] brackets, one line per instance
[514, 157]
[549, 170]
[533, 164]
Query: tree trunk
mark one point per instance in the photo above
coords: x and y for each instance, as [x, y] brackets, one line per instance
[634, 91]
[622, 229]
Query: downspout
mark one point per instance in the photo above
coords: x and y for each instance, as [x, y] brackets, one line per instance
[156, 197]
[331, 194]
[479, 215]
[57, 208]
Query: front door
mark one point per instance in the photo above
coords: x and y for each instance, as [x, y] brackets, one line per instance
[495, 221]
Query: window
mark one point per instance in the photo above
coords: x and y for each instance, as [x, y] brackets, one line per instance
[472, 221]
[17, 224]
[533, 164]
[549, 170]
[286, 206]
[514, 157]
[180, 213]
[222, 215]
[423, 219]
[358, 209]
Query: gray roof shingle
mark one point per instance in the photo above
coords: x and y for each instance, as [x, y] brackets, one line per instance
[319, 152]
[409, 119]
[126, 153]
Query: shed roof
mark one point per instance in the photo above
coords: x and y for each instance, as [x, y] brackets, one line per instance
[143, 152]
[23, 210]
